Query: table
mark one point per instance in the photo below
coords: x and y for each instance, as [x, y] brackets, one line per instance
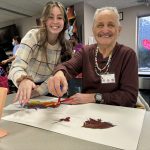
[23, 137]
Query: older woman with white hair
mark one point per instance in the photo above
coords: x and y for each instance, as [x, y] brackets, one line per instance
[109, 69]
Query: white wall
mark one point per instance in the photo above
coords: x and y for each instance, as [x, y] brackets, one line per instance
[25, 24]
[80, 18]
[88, 21]
[85, 15]
[4, 24]
[129, 23]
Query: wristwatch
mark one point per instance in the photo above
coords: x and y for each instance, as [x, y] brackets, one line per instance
[98, 98]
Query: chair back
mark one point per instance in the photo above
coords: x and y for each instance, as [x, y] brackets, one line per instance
[141, 103]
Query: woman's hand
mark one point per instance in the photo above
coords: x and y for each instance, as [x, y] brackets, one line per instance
[57, 84]
[24, 91]
[80, 98]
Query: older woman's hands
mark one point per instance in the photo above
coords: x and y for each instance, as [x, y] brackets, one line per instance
[24, 91]
[80, 98]
[57, 84]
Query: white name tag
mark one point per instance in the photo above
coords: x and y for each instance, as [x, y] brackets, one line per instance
[108, 78]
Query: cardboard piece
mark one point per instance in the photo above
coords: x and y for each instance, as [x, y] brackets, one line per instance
[3, 94]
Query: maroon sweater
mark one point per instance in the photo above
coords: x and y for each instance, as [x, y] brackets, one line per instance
[123, 64]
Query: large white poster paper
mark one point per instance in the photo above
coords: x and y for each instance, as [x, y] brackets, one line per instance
[124, 135]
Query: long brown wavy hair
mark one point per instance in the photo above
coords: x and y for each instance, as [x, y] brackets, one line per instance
[66, 51]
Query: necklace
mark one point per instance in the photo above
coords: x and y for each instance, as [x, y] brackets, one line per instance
[99, 70]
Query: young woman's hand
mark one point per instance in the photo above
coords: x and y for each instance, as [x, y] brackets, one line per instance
[24, 91]
[57, 84]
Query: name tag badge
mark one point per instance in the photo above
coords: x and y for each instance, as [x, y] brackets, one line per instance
[108, 78]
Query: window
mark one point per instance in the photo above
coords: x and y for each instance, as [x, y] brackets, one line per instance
[143, 44]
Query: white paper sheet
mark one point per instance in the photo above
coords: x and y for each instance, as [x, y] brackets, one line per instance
[124, 135]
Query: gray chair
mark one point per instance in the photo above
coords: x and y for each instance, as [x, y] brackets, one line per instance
[141, 103]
